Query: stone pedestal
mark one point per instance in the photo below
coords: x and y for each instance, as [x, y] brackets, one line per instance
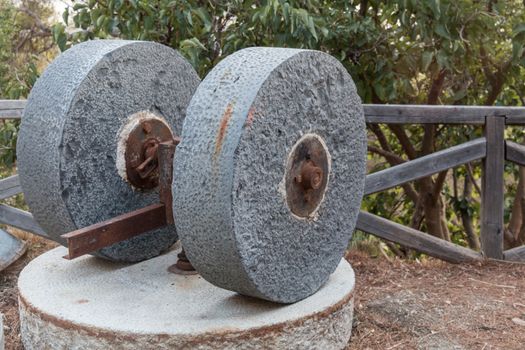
[1, 331]
[89, 303]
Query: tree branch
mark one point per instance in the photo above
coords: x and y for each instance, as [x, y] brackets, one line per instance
[440, 181]
[404, 141]
[472, 179]
[392, 158]
[381, 138]
[472, 238]
[37, 21]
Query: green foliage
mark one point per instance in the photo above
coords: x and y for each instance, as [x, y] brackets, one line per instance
[23, 44]
[12, 82]
[8, 137]
[204, 31]
[6, 33]
[392, 48]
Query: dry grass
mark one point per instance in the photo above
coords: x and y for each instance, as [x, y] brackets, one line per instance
[399, 304]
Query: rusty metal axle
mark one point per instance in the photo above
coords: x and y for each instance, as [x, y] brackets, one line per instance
[141, 153]
[120, 228]
[126, 226]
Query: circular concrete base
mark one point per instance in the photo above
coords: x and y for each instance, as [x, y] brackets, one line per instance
[89, 303]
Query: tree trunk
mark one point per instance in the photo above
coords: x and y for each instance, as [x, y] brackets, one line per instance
[516, 227]
[432, 209]
[472, 238]
[515, 216]
[430, 191]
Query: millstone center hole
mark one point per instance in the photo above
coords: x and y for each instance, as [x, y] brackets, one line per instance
[139, 140]
[307, 174]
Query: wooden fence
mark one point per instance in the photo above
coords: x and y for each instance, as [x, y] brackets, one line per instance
[493, 149]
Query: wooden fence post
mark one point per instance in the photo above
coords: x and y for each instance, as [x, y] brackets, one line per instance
[492, 225]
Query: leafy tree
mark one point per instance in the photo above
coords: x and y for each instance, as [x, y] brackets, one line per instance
[398, 51]
[25, 45]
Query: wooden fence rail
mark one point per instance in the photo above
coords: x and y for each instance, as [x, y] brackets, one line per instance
[11, 109]
[425, 166]
[493, 149]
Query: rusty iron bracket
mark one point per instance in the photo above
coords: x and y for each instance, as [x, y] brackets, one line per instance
[126, 226]
[117, 229]
[165, 152]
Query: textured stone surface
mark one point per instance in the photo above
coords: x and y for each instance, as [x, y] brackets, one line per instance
[1, 331]
[92, 304]
[229, 204]
[11, 248]
[68, 139]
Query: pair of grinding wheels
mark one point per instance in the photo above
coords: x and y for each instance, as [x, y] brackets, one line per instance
[268, 178]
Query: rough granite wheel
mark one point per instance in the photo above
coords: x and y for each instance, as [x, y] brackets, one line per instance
[68, 148]
[269, 176]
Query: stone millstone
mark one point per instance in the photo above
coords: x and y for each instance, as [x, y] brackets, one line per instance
[243, 127]
[93, 304]
[67, 147]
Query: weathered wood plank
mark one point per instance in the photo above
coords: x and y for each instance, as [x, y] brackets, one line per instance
[12, 109]
[514, 152]
[492, 189]
[10, 192]
[12, 104]
[515, 254]
[515, 120]
[11, 113]
[9, 187]
[414, 239]
[20, 219]
[8, 182]
[390, 114]
[430, 114]
[425, 166]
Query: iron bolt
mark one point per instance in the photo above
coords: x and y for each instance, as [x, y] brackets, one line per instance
[311, 176]
[183, 263]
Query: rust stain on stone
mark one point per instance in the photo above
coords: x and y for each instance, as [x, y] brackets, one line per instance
[249, 119]
[222, 128]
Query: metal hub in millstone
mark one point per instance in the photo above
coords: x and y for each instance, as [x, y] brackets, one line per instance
[68, 146]
[269, 175]
[141, 141]
[307, 175]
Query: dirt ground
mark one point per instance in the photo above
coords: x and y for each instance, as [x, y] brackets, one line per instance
[8, 290]
[436, 305]
[398, 304]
